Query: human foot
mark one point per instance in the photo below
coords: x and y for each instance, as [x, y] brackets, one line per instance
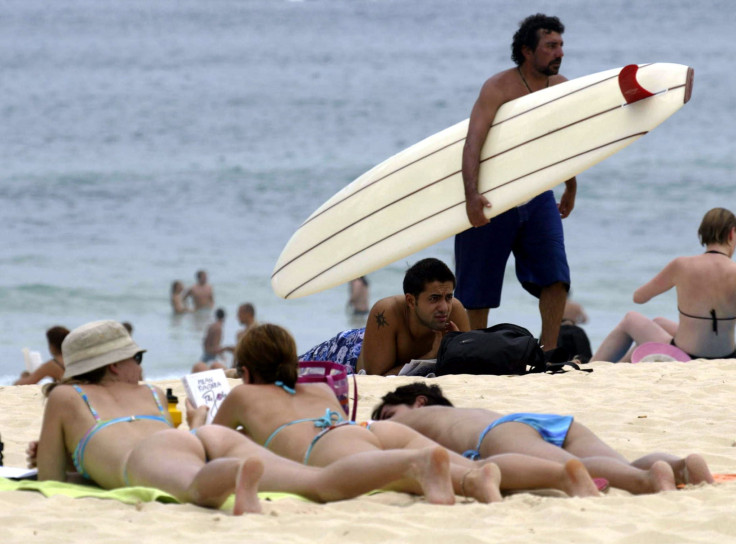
[246, 487]
[661, 477]
[576, 481]
[482, 483]
[432, 471]
[692, 470]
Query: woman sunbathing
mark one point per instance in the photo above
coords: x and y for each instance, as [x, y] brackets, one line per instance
[305, 422]
[478, 433]
[87, 419]
[706, 300]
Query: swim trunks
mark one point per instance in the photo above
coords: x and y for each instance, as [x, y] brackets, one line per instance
[551, 427]
[343, 349]
[208, 357]
[533, 232]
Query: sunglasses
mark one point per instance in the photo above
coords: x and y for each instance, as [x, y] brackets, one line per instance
[138, 357]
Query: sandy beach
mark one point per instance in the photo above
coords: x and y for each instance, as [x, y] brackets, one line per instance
[637, 409]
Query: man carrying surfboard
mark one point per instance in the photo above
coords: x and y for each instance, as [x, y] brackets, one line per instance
[532, 231]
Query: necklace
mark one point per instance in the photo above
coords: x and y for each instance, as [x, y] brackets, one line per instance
[518, 69]
[719, 252]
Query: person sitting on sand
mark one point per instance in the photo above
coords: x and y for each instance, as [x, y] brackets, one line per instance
[54, 367]
[479, 433]
[706, 300]
[87, 419]
[306, 423]
[402, 327]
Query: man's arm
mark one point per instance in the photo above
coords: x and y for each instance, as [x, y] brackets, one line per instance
[379, 350]
[567, 202]
[481, 119]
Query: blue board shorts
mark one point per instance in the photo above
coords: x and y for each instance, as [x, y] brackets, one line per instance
[532, 232]
[343, 349]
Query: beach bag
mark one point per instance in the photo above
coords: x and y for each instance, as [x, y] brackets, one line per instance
[504, 349]
[333, 374]
[574, 340]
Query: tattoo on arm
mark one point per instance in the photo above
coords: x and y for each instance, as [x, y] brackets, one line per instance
[381, 320]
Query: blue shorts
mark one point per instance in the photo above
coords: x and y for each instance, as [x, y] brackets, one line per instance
[208, 357]
[343, 349]
[533, 232]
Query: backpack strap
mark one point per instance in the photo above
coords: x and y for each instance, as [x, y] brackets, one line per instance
[556, 368]
[355, 399]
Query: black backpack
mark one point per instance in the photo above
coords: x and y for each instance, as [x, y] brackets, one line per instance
[575, 342]
[504, 349]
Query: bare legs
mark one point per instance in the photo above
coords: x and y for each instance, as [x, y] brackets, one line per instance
[478, 318]
[425, 471]
[551, 308]
[634, 327]
[652, 473]
[176, 463]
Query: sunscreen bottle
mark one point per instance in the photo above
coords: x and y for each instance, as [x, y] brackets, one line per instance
[174, 412]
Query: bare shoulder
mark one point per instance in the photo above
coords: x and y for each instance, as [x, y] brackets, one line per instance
[386, 311]
[62, 397]
[556, 80]
[501, 87]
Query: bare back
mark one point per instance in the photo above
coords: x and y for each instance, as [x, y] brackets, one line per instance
[705, 284]
[67, 419]
[457, 429]
[262, 409]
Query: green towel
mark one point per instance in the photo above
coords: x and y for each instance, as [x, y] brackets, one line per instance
[127, 495]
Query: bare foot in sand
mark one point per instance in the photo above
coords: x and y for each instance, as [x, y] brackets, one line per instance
[692, 470]
[482, 483]
[246, 487]
[432, 471]
[577, 481]
[661, 477]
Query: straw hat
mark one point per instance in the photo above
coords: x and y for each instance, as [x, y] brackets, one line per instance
[95, 345]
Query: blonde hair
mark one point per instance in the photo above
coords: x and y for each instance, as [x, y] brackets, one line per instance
[269, 353]
[716, 226]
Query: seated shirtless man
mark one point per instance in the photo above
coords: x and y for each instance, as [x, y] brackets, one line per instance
[401, 327]
[479, 433]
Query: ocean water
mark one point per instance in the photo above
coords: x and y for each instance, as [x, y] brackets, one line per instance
[141, 141]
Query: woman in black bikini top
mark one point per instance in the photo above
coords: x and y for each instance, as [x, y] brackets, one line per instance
[707, 278]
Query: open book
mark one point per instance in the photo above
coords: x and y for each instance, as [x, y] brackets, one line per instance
[208, 388]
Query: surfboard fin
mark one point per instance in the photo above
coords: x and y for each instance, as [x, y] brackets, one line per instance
[630, 88]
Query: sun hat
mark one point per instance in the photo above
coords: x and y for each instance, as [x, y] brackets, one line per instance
[96, 344]
[656, 352]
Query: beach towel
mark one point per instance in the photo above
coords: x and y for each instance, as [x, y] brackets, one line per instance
[127, 495]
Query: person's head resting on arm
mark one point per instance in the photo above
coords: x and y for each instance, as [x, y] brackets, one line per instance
[408, 397]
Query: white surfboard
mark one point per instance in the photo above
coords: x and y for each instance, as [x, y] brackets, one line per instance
[416, 198]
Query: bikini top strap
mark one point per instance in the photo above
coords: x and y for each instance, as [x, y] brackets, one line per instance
[158, 400]
[86, 401]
